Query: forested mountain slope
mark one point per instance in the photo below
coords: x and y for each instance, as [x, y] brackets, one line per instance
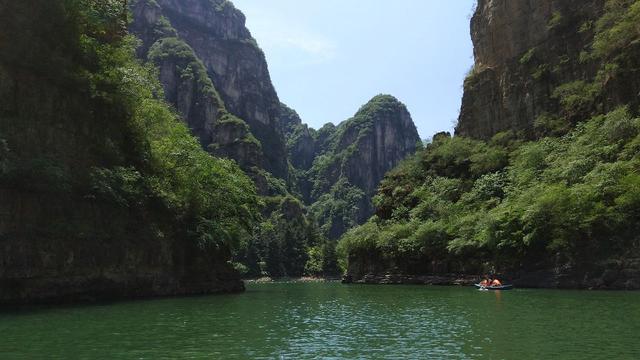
[216, 77]
[542, 182]
[104, 193]
[349, 160]
[335, 172]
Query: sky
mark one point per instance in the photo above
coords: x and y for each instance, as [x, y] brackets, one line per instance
[329, 57]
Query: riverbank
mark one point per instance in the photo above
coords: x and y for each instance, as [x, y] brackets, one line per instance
[399, 279]
[612, 278]
[308, 279]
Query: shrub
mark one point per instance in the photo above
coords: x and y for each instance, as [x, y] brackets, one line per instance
[549, 125]
[577, 97]
[617, 28]
[573, 198]
[555, 21]
[526, 58]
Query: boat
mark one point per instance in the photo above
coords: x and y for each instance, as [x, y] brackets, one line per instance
[501, 287]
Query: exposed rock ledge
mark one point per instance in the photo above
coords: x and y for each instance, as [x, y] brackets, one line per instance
[614, 276]
[399, 279]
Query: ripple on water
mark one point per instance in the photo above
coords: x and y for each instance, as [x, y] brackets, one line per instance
[333, 321]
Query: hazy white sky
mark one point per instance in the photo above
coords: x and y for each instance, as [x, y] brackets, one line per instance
[329, 57]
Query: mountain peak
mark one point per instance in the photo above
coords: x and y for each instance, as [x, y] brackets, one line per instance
[382, 102]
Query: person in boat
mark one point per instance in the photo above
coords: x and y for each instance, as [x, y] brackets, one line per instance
[485, 282]
[496, 282]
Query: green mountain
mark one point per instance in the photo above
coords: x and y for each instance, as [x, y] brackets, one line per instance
[216, 77]
[541, 183]
[351, 159]
[144, 151]
[105, 193]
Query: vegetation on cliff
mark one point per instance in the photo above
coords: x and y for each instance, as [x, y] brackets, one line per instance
[335, 171]
[350, 160]
[462, 204]
[570, 198]
[101, 133]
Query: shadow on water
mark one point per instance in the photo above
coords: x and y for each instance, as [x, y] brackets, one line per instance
[26, 309]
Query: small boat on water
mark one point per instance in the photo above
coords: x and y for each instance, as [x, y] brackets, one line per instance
[501, 287]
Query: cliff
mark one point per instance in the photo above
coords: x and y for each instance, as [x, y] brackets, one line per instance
[351, 159]
[216, 77]
[540, 185]
[334, 171]
[103, 193]
[210, 66]
[525, 51]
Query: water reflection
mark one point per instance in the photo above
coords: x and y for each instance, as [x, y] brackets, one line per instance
[330, 320]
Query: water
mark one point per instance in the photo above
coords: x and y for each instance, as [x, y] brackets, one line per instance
[334, 321]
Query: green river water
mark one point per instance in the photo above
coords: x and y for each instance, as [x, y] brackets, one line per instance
[335, 321]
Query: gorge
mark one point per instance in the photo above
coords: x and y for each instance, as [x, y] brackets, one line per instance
[158, 198]
[216, 76]
[111, 197]
[144, 151]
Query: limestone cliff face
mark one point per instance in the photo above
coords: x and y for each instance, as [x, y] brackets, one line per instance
[59, 248]
[187, 87]
[288, 120]
[301, 145]
[351, 160]
[390, 136]
[59, 239]
[523, 51]
[229, 59]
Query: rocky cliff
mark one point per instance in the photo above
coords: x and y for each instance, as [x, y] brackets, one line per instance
[540, 185]
[61, 248]
[351, 159]
[525, 51]
[91, 205]
[210, 66]
[216, 77]
[371, 143]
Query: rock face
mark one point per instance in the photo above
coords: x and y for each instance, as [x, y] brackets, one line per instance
[95, 251]
[58, 240]
[524, 50]
[209, 64]
[351, 159]
[216, 77]
[619, 275]
[379, 136]
[541, 67]
[289, 120]
[301, 144]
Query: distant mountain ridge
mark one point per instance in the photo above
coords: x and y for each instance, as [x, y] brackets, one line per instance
[342, 165]
[215, 75]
